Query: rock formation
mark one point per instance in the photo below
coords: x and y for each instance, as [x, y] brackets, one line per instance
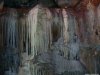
[62, 37]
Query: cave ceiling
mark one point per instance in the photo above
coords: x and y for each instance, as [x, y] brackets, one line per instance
[48, 3]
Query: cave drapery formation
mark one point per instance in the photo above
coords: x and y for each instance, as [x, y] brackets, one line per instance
[49, 37]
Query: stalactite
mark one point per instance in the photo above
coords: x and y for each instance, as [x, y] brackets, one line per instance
[59, 24]
[35, 38]
[41, 52]
[97, 31]
[42, 30]
[67, 23]
[11, 32]
[65, 30]
[56, 25]
[90, 18]
[10, 47]
[65, 33]
[98, 10]
[46, 39]
[73, 41]
[32, 23]
[81, 29]
[25, 46]
[22, 34]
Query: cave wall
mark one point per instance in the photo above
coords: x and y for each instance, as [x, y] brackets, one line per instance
[38, 40]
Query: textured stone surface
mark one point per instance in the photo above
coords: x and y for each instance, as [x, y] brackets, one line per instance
[90, 37]
[35, 39]
[50, 41]
[67, 3]
[9, 50]
[45, 42]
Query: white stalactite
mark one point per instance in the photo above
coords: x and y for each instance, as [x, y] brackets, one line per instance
[65, 17]
[36, 36]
